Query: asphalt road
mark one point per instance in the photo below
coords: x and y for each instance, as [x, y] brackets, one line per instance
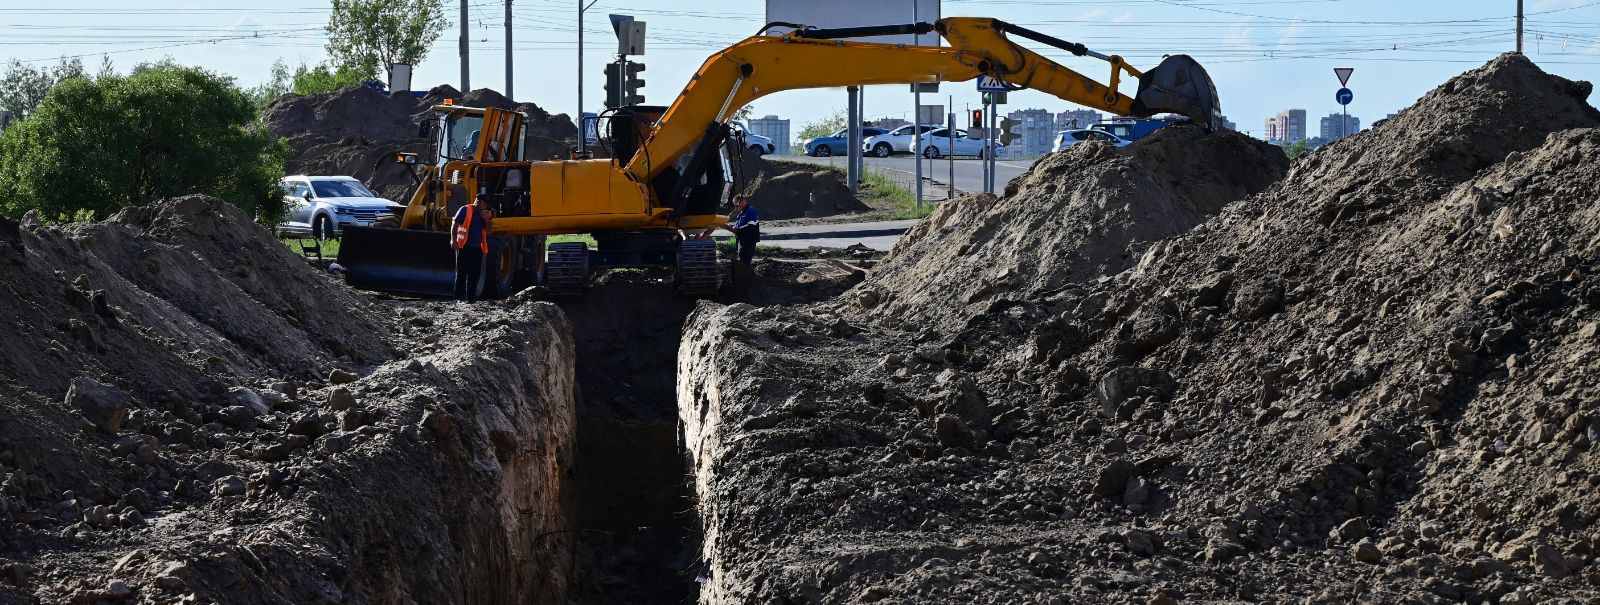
[969, 171]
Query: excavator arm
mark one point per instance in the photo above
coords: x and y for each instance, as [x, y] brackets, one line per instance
[817, 58]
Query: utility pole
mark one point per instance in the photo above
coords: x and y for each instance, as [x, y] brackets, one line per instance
[916, 113]
[853, 138]
[509, 94]
[466, 78]
[583, 132]
[1519, 27]
[950, 129]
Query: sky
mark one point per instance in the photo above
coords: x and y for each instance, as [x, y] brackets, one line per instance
[1264, 55]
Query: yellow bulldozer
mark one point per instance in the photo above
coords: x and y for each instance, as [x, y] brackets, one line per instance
[668, 176]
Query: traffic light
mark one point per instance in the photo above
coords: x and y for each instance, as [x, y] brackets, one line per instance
[613, 84]
[1006, 136]
[633, 84]
[977, 118]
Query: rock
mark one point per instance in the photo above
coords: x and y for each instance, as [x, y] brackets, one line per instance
[1420, 448]
[338, 376]
[1366, 552]
[228, 486]
[1139, 543]
[118, 589]
[1113, 478]
[873, 594]
[288, 389]
[1137, 492]
[1550, 561]
[340, 399]
[102, 405]
[249, 399]
[443, 426]
[868, 298]
[1161, 600]
[952, 431]
[1219, 550]
[1350, 531]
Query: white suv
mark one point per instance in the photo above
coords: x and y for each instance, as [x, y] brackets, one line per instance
[758, 144]
[894, 141]
[322, 206]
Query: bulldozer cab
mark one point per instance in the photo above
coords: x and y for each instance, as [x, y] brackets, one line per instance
[474, 134]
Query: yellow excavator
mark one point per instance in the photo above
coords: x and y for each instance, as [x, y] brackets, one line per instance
[669, 175]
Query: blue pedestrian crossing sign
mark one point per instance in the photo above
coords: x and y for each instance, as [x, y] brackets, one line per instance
[1344, 96]
[991, 84]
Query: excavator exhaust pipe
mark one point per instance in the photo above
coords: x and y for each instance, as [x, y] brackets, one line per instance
[1180, 85]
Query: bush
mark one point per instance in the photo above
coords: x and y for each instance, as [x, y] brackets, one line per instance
[96, 146]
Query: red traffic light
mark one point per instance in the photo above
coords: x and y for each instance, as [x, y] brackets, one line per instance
[977, 118]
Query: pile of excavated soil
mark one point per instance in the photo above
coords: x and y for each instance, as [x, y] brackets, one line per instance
[1083, 213]
[357, 132]
[780, 189]
[189, 411]
[1374, 381]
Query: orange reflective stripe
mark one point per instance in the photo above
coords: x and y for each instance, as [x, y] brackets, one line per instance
[464, 231]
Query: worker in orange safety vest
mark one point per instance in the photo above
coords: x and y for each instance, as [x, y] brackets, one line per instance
[470, 232]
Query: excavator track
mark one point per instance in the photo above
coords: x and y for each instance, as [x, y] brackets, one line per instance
[566, 269]
[697, 268]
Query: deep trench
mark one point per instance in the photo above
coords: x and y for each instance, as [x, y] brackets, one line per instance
[632, 511]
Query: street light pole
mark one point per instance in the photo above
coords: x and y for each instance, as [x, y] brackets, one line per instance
[916, 113]
[509, 94]
[583, 133]
[466, 50]
[1519, 27]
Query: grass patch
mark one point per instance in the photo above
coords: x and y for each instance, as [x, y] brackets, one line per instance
[330, 247]
[571, 237]
[884, 192]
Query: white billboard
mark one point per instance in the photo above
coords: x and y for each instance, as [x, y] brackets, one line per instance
[856, 13]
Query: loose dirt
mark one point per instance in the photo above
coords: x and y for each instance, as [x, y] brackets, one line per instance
[1372, 381]
[191, 412]
[782, 190]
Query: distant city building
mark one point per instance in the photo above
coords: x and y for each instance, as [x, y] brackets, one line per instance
[1228, 124]
[1336, 126]
[1287, 127]
[889, 123]
[773, 128]
[1077, 119]
[1038, 130]
[5, 119]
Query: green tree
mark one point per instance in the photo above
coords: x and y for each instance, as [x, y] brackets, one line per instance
[819, 128]
[95, 146]
[369, 35]
[1297, 148]
[304, 80]
[23, 86]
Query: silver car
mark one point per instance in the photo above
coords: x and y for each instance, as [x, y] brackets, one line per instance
[322, 206]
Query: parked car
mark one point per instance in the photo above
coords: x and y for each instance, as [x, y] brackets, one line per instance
[757, 144]
[322, 206]
[938, 144]
[1068, 138]
[894, 141]
[1133, 129]
[838, 142]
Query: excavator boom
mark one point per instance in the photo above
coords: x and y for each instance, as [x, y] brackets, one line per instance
[819, 58]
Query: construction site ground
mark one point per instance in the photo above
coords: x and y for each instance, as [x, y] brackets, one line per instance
[1189, 370]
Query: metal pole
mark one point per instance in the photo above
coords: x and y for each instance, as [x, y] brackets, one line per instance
[916, 118]
[861, 113]
[583, 133]
[852, 139]
[1519, 26]
[509, 94]
[950, 129]
[994, 131]
[466, 79]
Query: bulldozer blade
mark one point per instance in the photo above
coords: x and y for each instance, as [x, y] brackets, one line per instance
[1180, 85]
[405, 261]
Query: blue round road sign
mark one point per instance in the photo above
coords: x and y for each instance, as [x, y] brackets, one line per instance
[1344, 96]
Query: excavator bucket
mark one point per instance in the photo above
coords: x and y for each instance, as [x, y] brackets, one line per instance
[406, 261]
[1180, 85]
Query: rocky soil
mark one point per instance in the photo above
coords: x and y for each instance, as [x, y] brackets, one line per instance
[1188, 376]
[782, 190]
[192, 413]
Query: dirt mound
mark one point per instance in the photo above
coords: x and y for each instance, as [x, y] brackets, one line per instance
[187, 408]
[356, 111]
[1089, 211]
[357, 131]
[781, 189]
[370, 162]
[1375, 381]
